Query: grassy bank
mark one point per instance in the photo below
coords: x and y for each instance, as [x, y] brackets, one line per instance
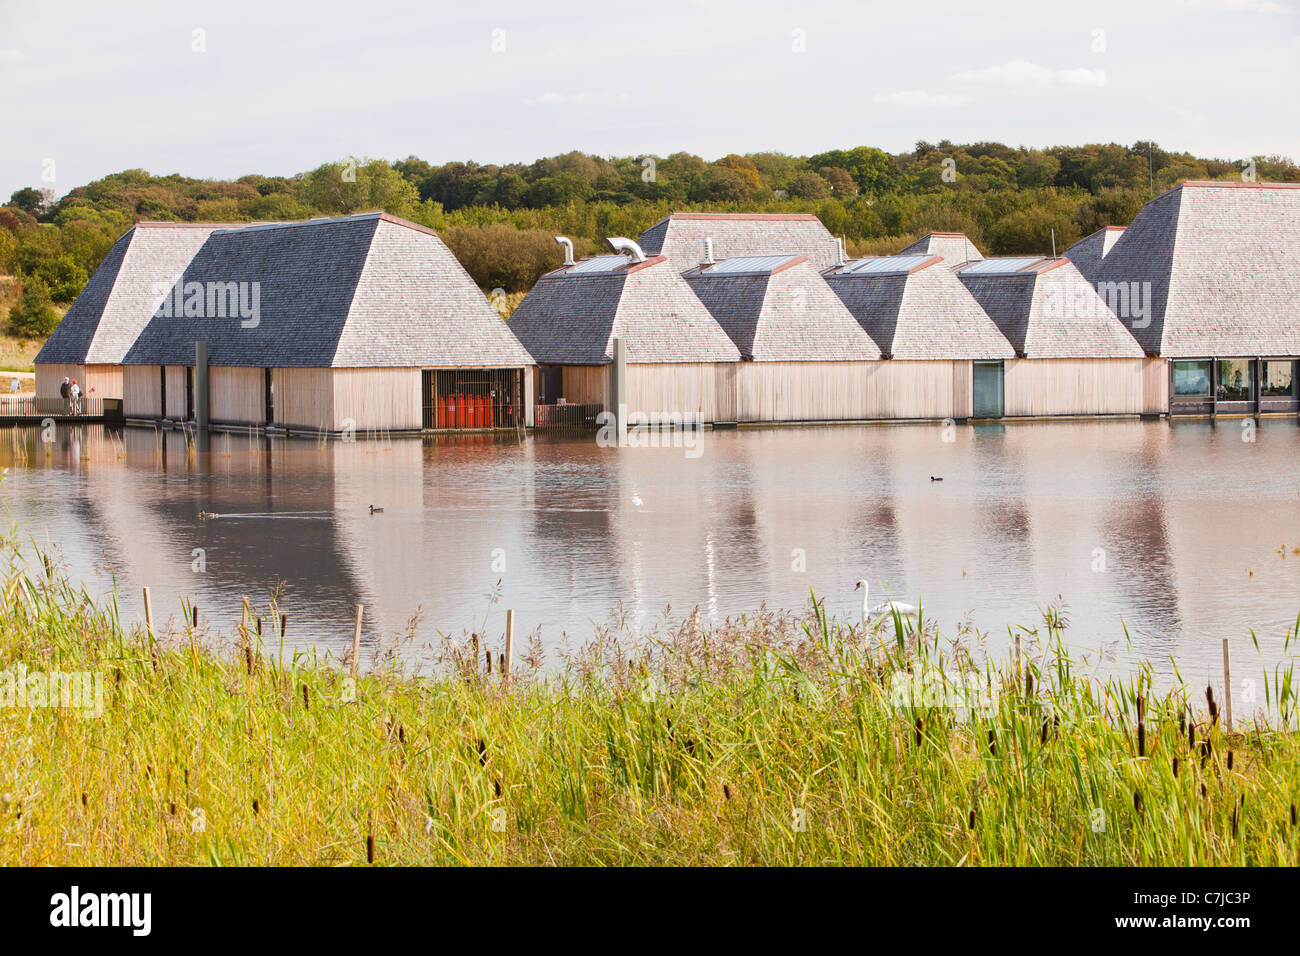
[776, 740]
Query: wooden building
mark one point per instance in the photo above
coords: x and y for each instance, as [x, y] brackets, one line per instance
[953, 247]
[678, 360]
[944, 355]
[804, 357]
[1073, 356]
[1087, 253]
[1207, 278]
[361, 322]
[679, 237]
[102, 324]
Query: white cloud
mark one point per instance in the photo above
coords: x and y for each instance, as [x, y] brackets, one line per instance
[920, 100]
[1025, 74]
[1238, 6]
[551, 98]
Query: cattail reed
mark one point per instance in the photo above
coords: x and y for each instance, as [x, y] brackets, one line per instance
[1214, 708]
[1142, 730]
[600, 774]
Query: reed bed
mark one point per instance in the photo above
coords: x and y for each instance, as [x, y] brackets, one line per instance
[777, 739]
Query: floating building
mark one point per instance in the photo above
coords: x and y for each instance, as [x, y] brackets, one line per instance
[104, 321]
[328, 325]
[953, 247]
[803, 354]
[1087, 253]
[1073, 356]
[678, 237]
[675, 358]
[944, 353]
[1207, 277]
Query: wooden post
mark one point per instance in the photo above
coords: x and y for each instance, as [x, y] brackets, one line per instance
[148, 613]
[1227, 688]
[510, 645]
[356, 641]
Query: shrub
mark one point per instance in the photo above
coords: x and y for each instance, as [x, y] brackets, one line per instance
[34, 314]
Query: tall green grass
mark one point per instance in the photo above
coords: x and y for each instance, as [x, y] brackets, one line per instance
[776, 739]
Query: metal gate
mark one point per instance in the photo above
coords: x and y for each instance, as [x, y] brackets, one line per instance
[473, 398]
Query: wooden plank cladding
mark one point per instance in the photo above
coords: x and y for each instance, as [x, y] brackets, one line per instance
[801, 391]
[1075, 387]
[96, 381]
[238, 396]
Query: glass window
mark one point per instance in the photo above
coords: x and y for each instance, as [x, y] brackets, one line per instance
[1278, 380]
[1234, 380]
[1192, 378]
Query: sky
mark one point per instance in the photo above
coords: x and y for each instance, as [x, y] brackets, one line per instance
[278, 87]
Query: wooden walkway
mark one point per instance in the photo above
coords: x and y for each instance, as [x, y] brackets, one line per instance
[30, 410]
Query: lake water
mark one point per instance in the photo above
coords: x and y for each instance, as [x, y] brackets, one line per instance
[1182, 532]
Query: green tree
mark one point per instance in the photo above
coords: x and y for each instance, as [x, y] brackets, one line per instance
[356, 186]
[34, 313]
[29, 200]
[809, 186]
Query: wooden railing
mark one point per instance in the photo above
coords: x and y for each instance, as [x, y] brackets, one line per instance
[29, 406]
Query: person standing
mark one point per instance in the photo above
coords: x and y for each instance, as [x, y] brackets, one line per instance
[74, 393]
[63, 393]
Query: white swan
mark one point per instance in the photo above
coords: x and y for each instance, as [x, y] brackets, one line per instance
[906, 611]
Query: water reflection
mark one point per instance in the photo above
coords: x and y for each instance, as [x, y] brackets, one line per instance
[1171, 530]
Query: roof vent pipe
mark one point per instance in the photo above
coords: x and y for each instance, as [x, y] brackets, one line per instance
[627, 247]
[839, 250]
[568, 249]
[708, 251]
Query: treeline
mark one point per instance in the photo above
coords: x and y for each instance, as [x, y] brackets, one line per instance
[500, 220]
